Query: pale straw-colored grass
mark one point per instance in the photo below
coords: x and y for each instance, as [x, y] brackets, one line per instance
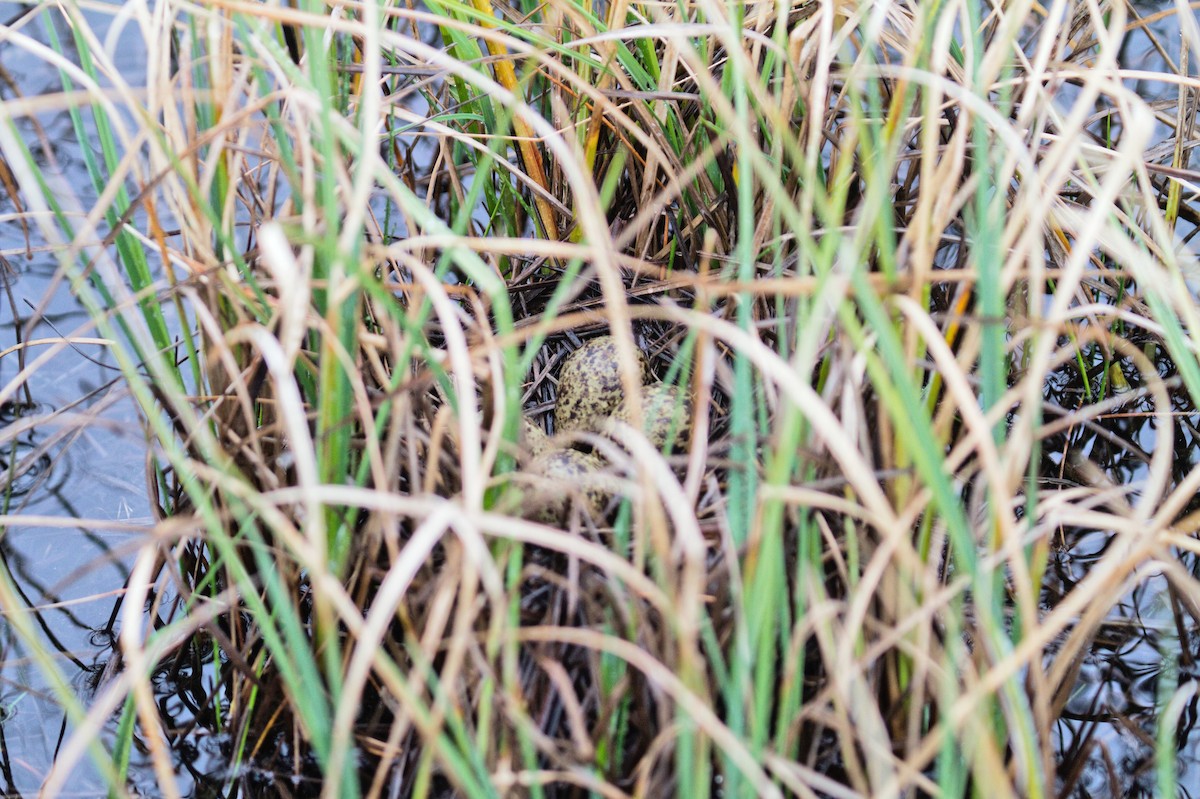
[870, 240]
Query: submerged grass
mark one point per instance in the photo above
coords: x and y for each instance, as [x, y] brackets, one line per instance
[878, 245]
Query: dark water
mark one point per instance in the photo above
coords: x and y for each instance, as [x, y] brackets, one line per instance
[82, 459]
[1148, 647]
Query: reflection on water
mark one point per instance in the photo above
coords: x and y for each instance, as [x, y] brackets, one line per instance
[1108, 726]
[85, 463]
[71, 447]
[1148, 646]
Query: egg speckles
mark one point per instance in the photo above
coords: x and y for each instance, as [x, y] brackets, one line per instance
[589, 385]
[533, 440]
[565, 474]
[591, 399]
[666, 413]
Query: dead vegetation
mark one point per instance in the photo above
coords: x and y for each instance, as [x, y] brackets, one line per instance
[922, 273]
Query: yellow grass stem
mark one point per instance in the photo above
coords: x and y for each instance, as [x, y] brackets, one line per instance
[530, 157]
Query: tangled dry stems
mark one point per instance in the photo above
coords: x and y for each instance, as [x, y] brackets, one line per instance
[822, 589]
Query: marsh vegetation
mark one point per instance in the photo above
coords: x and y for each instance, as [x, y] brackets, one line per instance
[916, 274]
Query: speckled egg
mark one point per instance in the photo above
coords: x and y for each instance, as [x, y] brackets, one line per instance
[665, 410]
[560, 476]
[589, 385]
[533, 440]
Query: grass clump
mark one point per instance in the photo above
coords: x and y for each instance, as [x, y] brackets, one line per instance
[920, 274]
